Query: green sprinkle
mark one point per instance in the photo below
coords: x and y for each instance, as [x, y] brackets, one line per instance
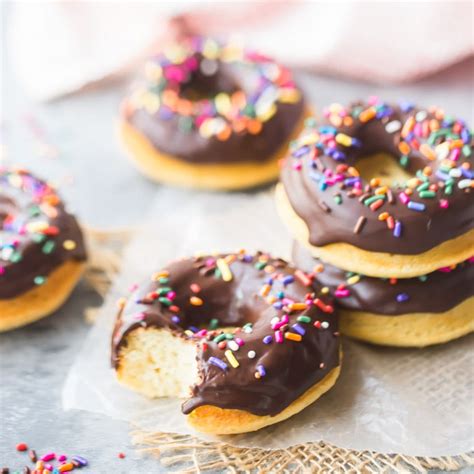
[303, 319]
[163, 281]
[219, 338]
[338, 199]
[213, 323]
[423, 187]
[185, 124]
[34, 211]
[164, 290]
[217, 273]
[38, 238]
[15, 257]
[423, 278]
[427, 194]
[39, 280]
[260, 265]
[404, 161]
[372, 199]
[48, 247]
[466, 149]
[421, 175]
[165, 301]
[229, 336]
[448, 189]
[310, 122]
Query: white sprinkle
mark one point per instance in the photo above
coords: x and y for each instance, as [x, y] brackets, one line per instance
[233, 345]
[208, 67]
[442, 151]
[324, 324]
[465, 183]
[251, 354]
[393, 126]
[455, 173]
[421, 115]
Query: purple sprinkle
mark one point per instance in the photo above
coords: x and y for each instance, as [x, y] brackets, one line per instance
[267, 339]
[315, 176]
[79, 459]
[193, 329]
[217, 362]
[338, 155]
[356, 142]
[270, 281]
[402, 297]
[261, 370]
[351, 181]
[288, 279]
[301, 151]
[278, 305]
[467, 173]
[175, 319]
[441, 175]
[248, 258]
[405, 106]
[465, 135]
[299, 329]
[397, 230]
[416, 206]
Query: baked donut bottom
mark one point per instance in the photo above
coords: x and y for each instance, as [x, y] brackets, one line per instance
[376, 264]
[43, 300]
[148, 364]
[165, 168]
[409, 330]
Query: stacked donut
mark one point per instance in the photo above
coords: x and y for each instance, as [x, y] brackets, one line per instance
[380, 200]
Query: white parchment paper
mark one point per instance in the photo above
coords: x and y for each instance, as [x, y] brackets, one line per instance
[409, 401]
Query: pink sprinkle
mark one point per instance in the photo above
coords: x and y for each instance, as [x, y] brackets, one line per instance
[445, 269]
[342, 293]
[2, 270]
[62, 458]
[338, 178]
[48, 466]
[471, 259]
[297, 166]
[455, 154]
[201, 333]
[373, 99]
[48, 457]
[210, 262]
[132, 287]
[278, 337]
[239, 341]
[171, 295]
[443, 203]
[327, 172]
[404, 198]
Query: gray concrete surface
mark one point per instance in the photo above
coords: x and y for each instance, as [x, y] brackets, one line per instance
[106, 192]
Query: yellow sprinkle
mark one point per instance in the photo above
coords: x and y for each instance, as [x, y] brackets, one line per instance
[325, 290]
[188, 333]
[271, 299]
[293, 337]
[318, 268]
[158, 275]
[383, 216]
[231, 358]
[309, 138]
[289, 96]
[413, 182]
[223, 104]
[266, 115]
[353, 280]
[353, 171]
[381, 190]
[343, 139]
[36, 226]
[195, 301]
[224, 269]
[121, 302]
[230, 258]
[69, 244]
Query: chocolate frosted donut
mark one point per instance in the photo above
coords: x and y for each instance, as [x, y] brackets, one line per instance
[41, 249]
[400, 215]
[250, 337]
[211, 115]
[417, 311]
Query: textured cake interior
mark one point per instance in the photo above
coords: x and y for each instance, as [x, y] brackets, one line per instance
[158, 364]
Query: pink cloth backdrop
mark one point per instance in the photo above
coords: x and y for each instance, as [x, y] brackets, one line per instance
[58, 47]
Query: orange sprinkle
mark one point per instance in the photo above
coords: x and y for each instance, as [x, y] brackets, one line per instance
[427, 171]
[390, 222]
[265, 290]
[348, 121]
[383, 216]
[367, 114]
[353, 171]
[297, 306]
[293, 337]
[404, 148]
[374, 182]
[196, 301]
[427, 151]
[434, 125]
[254, 126]
[376, 205]
[393, 281]
[381, 190]
[408, 127]
[456, 144]
[224, 134]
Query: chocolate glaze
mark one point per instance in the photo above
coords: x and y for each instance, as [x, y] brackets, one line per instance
[421, 230]
[436, 292]
[291, 367]
[190, 146]
[24, 253]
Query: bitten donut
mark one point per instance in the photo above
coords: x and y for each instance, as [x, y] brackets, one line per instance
[42, 252]
[244, 337]
[402, 214]
[211, 115]
[416, 312]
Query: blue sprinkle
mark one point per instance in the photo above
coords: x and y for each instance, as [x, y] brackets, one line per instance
[288, 279]
[270, 281]
[278, 305]
[193, 328]
[175, 319]
[402, 297]
[79, 459]
[351, 181]
[327, 129]
[299, 329]
[299, 152]
[406, 106]
[416, 206]
[441, 175]
[356, 142]
[218, 362]
[315, 176]
[267, 339]
[281, 294]
[323, 186]
[397, 230]
[465, 135]
[248, 258]
[261, 370]
[338, 155]
[467, 173]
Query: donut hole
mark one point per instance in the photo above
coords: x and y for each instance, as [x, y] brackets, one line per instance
[383, 167]
[211, 78]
